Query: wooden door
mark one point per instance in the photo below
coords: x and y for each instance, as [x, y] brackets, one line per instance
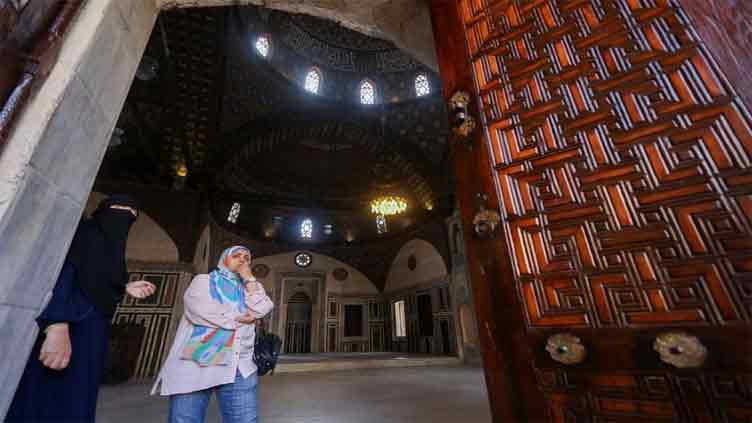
[618, 155]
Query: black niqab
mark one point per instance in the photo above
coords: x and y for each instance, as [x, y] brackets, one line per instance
[98, 253]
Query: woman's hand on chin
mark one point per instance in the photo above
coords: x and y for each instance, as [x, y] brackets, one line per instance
[245, 272]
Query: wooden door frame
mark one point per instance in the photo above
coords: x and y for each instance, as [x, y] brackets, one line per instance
[507, 359]
[509, 351]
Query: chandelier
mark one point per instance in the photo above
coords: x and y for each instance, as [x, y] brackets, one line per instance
[388, 205]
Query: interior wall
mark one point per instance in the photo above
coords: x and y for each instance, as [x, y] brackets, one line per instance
[419, 273]
[428, 266]
[324, 283]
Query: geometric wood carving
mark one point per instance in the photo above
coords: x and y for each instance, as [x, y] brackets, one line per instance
[622, 159]
[649, 397]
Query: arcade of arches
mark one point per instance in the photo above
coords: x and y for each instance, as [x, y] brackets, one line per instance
[581, 228]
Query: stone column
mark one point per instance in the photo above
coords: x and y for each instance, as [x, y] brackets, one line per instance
[48, 166]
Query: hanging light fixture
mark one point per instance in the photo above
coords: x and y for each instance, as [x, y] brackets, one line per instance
[388, 205]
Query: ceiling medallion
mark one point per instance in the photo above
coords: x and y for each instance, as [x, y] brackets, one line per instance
[388, 205]
[303, 259]
[340, 274]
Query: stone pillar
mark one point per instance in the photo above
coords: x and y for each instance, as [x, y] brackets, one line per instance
[48, 166]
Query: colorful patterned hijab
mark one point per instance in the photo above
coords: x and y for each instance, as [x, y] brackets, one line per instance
[209, 346]
[225, 286]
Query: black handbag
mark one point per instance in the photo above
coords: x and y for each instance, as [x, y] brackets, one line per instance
[266, 351]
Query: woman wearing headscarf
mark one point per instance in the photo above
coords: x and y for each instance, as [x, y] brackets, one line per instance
[61, 379]
[213, 348]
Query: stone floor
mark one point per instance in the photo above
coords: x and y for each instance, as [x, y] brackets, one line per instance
[446, 394]
[294, 363]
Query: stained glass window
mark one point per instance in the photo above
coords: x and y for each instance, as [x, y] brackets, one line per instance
[367, 93]
[381, 224]
[234, 213]
[306, 229]
[422, 86]
[313, 81]
[262, 45]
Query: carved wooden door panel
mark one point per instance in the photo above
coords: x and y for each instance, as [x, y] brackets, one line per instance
[621, 159]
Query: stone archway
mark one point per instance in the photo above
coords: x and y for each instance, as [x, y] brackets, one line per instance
[48, 165]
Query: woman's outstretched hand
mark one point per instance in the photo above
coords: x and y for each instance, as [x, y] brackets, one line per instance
[140, 289]
[56, 348]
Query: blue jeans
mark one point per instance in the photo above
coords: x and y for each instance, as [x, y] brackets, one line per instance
[237, 402]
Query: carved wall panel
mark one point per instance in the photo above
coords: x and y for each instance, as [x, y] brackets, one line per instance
[155, 314]
[622, 159]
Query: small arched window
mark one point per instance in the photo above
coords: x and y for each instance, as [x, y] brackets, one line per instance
[313, 81]
[232, 217]
[367, 92]
[381, 224]
[306, 229]
[263, 45]
[422, 86]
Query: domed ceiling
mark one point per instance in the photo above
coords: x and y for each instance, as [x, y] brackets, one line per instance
[219, 117]
[344, 57]
[333, 46]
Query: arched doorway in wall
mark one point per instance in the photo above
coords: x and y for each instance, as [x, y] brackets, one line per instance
[298, 330]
